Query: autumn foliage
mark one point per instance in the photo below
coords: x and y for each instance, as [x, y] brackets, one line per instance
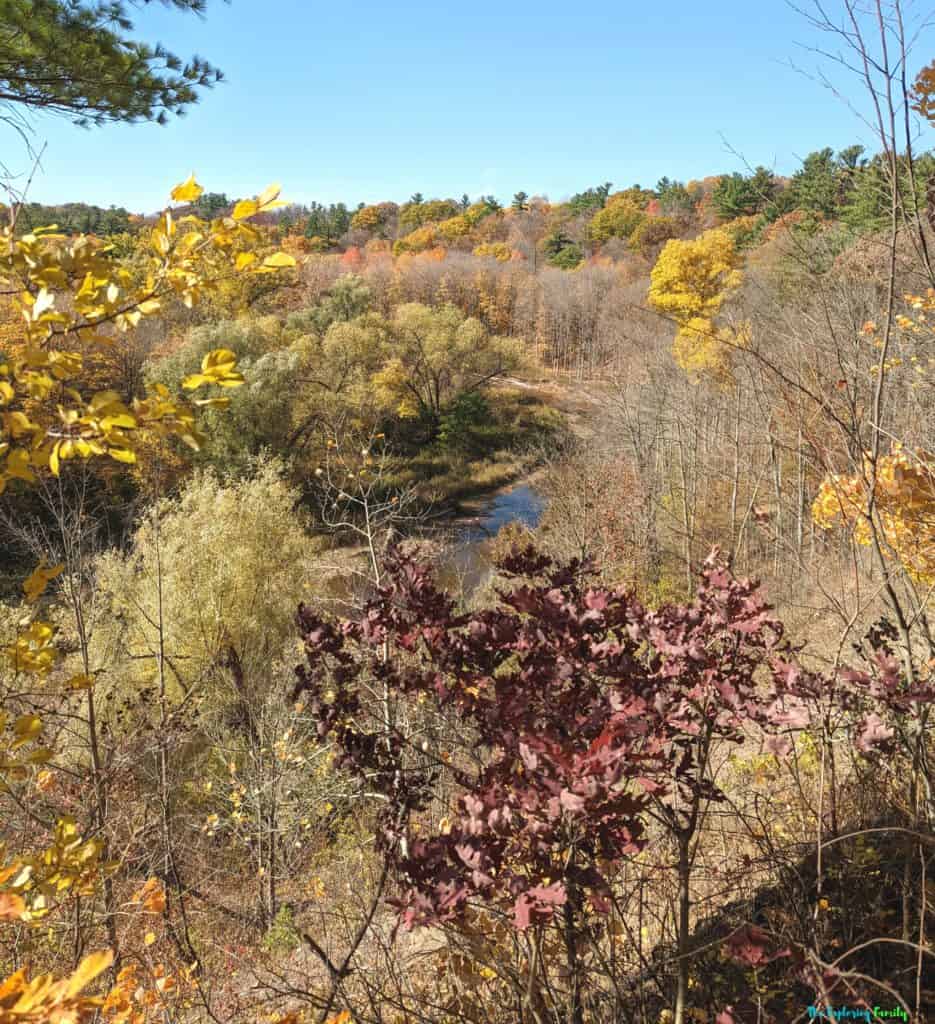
[691, 281]
[68, 292]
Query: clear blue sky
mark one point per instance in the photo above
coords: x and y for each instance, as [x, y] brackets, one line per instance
[363, 100]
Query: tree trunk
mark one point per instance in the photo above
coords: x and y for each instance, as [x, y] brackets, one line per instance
[684, 869]
[575, 1008]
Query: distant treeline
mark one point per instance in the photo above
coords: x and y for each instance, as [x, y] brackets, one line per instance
[847, 186]
[85, 218]
[76, 218]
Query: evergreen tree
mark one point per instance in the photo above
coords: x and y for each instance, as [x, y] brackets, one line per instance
[560, 251]
[826, 181]
[738, 196]
[673, 197]
[592, 199]
[328, 223]
[869, 196]
[74, 219]
[816, 185]
[210, 204]
[78, 60]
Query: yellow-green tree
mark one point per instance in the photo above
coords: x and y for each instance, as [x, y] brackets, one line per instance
[618, 219]
[417, 241]
[431, 355]
[500, 251]
[413, 215]
[373, 217]
[211, 581]
[455, 227]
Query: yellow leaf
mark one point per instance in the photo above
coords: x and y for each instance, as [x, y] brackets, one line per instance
[244, 259]
[218, 360]
[268, 195]
[101, 401]
[217, 367]
[21, 872]
[187, 192]
[122, 419]
[17, 465]
[28, 725]
[45, 300]
[122, 454]
[89, 968]
[279, 259]
[38, 580]
[245, 208]
[149, 938]
[12, 906]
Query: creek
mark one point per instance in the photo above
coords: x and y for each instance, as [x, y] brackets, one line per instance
[467, 558]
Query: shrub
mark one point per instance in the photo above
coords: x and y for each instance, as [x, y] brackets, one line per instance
[561, 251]
[459, 422]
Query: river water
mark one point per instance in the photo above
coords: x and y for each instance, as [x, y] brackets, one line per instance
[467, 558]
[460, 548]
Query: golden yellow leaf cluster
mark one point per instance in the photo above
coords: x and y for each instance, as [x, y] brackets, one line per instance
[46, 1001]
[151, 897]
[72, 296]
[690, 283]
[903, 492]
